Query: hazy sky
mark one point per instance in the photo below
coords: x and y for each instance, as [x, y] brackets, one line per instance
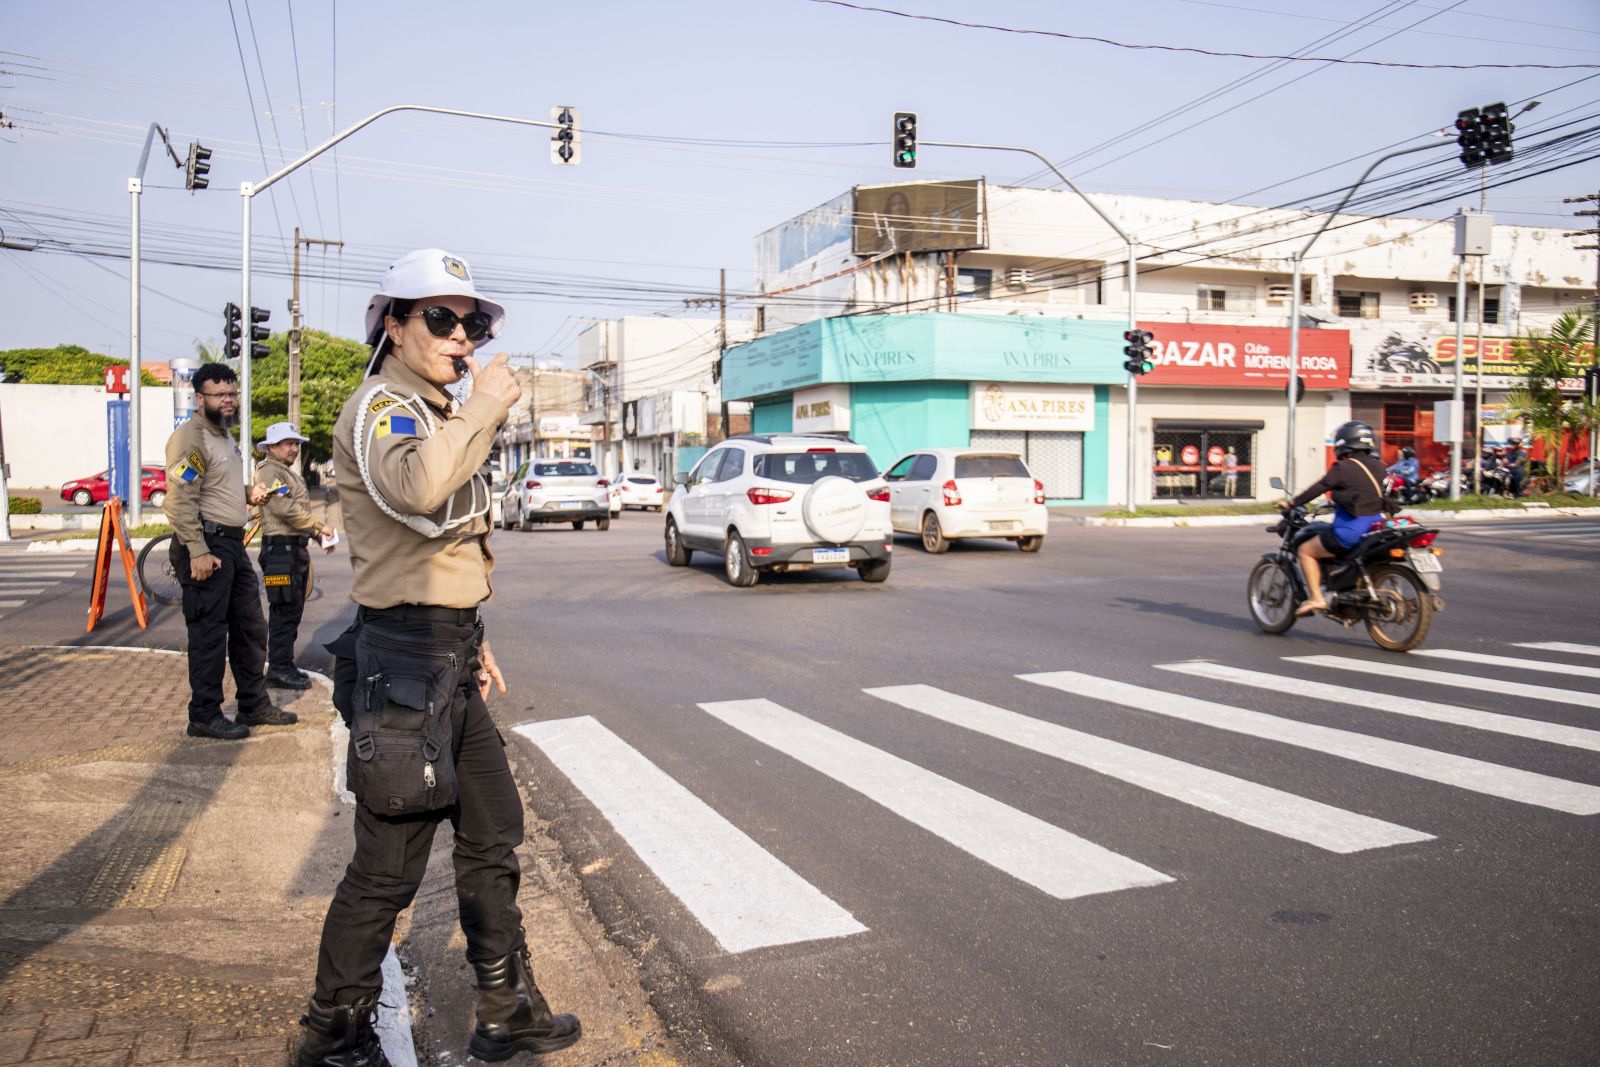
[643, 224]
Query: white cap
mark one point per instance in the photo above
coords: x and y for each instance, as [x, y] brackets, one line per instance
[423, 273]
[279, 432]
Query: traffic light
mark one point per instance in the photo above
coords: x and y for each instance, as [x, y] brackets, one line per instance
[258, 334]
[905, 139]
[231, 331]
[196, 167]
[1469, 135]
[1141, 359]
[564, 143]
[1497, 130]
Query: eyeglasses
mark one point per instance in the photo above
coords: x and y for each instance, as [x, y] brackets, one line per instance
[441, 322]
[232, 394]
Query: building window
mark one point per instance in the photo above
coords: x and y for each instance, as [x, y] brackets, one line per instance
[973, 283]
[1225, 298]
[1357, 305]
[1491, 309]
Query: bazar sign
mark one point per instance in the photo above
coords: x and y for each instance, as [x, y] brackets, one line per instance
[1245, 357]
[1015, 406]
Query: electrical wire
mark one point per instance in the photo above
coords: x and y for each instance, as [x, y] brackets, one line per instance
[260, 144]
[300, 112]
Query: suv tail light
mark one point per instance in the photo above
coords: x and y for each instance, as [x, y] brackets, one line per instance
[1038, 491]
[603, 484]
[822, 450]
[531, 485]
[952, 495]
[880, 494]
[761, 494]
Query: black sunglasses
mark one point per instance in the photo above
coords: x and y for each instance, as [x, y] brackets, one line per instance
[441, 322]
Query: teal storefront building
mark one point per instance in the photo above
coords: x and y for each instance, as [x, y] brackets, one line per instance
[895, 383]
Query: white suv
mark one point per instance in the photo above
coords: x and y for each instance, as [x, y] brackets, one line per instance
[949, 493]
[782, 502]
[557, 490]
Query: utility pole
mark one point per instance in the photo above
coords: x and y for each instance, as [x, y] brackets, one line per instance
[722, 345]
[1594, 351]
[135, 356]
[294, 322]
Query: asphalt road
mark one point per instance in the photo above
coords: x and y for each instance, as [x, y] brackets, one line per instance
[895, 833]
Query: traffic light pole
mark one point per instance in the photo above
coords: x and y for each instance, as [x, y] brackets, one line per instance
[249, 190]
[1294, 305]
[135, 357]
[1133, 288]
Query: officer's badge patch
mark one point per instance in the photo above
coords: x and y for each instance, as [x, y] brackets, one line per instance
[396, 424]
[455, 268]
[275, 579]
[279, 488]
[381, 403]
[189, 468]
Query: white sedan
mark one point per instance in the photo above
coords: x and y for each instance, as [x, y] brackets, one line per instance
[942, 494]
[637, 491]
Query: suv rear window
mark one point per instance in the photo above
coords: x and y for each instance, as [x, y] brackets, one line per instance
[564, 470]
[990, 467]
[808, 467]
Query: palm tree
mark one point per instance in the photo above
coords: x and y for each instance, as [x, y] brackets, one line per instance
[1552, 357]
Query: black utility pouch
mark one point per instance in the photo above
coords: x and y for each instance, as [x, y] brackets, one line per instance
[277, 574]
[402, 731]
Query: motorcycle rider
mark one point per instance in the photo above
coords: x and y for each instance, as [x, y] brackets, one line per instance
[1516, 465]
[1406, 467]
[1355, 481]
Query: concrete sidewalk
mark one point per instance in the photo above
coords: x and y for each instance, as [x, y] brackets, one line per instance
[163, 895]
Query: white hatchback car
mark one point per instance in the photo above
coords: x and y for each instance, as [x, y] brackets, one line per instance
[636, 491]
[782, 502]
[946, 493]
[556, 490]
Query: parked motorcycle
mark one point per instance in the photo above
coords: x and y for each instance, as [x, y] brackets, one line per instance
[1389, 580]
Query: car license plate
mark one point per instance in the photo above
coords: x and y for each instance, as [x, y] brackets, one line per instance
[830, 555]
[1002, 524]
[1424, 562]
[568, 504]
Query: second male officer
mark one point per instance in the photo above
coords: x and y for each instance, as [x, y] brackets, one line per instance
[286, 526]
[221, 595]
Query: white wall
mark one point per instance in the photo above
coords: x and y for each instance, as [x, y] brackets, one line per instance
[57, 433]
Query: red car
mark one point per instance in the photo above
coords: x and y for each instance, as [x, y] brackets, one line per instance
[96, 489]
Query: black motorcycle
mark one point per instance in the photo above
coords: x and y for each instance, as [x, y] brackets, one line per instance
[1389, 580]
[1409, 491]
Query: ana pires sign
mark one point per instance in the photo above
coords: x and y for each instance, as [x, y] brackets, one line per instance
[1244, 357]
[824, 408]
[1032, 406]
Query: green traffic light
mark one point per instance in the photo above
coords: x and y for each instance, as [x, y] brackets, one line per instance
[1146, 367]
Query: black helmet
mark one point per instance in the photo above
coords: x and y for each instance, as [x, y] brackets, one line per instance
[1408, 453]
[1353, 436]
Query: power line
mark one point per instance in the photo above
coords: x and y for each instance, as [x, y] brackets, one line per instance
[260, 144]
[300, 112]
[272, 112]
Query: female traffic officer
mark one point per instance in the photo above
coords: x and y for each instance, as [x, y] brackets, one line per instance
[1355, 480]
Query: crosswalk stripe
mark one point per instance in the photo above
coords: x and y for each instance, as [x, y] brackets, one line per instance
[1492, 779]
[12, 603]
[1555, 733]
[1562, 646]
[23, 590]
[1509, 661]
[1251, 803]
[25, 573]
[1390, 669]
[1045, 856]
[744, 896]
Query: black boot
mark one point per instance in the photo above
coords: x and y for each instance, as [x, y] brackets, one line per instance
[288, 678]
[341, 1035]
[512, 1014]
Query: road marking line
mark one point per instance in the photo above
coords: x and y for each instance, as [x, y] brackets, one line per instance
[1045, 856]
[1563, 646]
[12, 603]
[1390, 669]
[1509, 661]
[22, 590]
[1492, 779]
[743, 895]
[1555, 733]
[1251, 803]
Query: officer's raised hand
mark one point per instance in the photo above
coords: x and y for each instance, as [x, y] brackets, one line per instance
[496, 379]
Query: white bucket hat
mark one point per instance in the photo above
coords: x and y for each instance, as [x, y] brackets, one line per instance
[423, 273]
[279, 432]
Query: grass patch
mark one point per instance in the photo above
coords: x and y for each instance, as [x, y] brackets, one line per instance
[1471, 502]
[148, 529]
[1189, 512]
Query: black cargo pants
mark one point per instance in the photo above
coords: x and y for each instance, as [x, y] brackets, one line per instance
[285, 567]
[392, 851]
[225, 626]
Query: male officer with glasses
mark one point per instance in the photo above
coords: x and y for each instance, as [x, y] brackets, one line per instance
[287, 525]
[221, 596]
[412, 674]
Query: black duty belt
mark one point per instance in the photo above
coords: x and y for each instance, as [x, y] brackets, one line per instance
[285, 539]
[421, 613]
[235, 532]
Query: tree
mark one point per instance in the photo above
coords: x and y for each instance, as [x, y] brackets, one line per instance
[1554, 356]
[330, 370]
[61, 365]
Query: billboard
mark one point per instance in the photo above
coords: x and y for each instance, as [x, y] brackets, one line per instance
[1245, 357]
[1426, 356]
[792, 243]
[919, 217]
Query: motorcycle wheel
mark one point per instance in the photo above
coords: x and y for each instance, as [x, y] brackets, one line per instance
[1271, 597]
[1401, 621]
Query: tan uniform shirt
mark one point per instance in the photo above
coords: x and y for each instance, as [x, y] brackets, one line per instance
[417, 475]
[288, 506]
[205, 479]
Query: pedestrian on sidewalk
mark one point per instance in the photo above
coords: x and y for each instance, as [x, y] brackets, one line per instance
[423, 747]
[287, 526]
[206, 505]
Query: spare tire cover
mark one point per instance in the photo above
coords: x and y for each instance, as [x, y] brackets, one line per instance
[835, 509]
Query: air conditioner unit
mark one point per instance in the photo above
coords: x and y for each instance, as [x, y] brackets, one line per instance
[1424, 301]
[1279, 294]
[1018, 277]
